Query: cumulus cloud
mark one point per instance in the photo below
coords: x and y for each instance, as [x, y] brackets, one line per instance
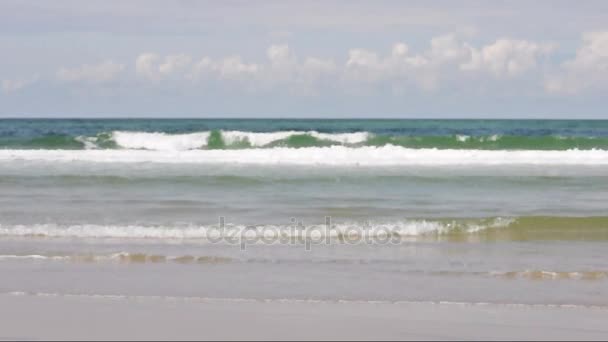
[364, 60]
[587, 70]
[448, 49]
[286, 69]
[228, 68]
[14, 85]
[146, 66]
[281, 68]
[446, 59]
[280, 55]
[99, 73]
[150, 66]
[175, 63]
[234, 68]
[369, 66]
[504, 57]
[507, 57]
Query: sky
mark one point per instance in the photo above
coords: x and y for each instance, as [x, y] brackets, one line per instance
[305, 59]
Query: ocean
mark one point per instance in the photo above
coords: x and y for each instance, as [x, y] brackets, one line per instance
[463, 211]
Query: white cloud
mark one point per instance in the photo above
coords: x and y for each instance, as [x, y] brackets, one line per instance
[594, 53]
[282, 68]
[280, 55]
[447, 49]
[446, 60]
[400, 63]
[14, 85]
[507, 57]
[588, 69]
[233, 68]
[99, 73]
[145, 66]
[152, 67]
[367, 66]
[149, 66]
[286, 69]
[363, 59]
[174, 63]
[400, 67]
[203, 67]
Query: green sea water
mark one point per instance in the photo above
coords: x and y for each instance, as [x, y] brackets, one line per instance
[441, 134]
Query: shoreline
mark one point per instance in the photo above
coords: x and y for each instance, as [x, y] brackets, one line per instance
[29, 317]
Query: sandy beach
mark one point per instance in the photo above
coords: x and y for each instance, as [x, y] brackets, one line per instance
[25, 317]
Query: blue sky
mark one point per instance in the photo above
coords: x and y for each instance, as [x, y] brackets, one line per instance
[491, 59]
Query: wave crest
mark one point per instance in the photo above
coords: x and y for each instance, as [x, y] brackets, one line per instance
[529, 228]
[230, 139]
[407, 228]
[226, 139]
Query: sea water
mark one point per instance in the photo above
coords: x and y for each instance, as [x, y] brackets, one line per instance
[471, 211]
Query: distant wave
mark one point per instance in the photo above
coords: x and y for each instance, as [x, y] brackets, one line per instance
[159, 141]
[217, 139]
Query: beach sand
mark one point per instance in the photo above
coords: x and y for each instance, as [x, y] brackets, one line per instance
[25, 317]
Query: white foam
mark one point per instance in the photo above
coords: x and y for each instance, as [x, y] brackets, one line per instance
[89, 142]
[27, 257]
[494, 137]
[335, 155]
[256, 139]
[401, 228]
[160, 141]
[102, 231]
[343, 138]
[194, 141]
[463, 138]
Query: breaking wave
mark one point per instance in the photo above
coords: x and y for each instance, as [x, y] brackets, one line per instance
[593, 228]
[220, 139]
[407, 228]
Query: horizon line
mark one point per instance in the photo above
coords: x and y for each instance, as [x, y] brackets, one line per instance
[285, 118]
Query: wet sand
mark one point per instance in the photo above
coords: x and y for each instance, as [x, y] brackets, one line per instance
[27, 317]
